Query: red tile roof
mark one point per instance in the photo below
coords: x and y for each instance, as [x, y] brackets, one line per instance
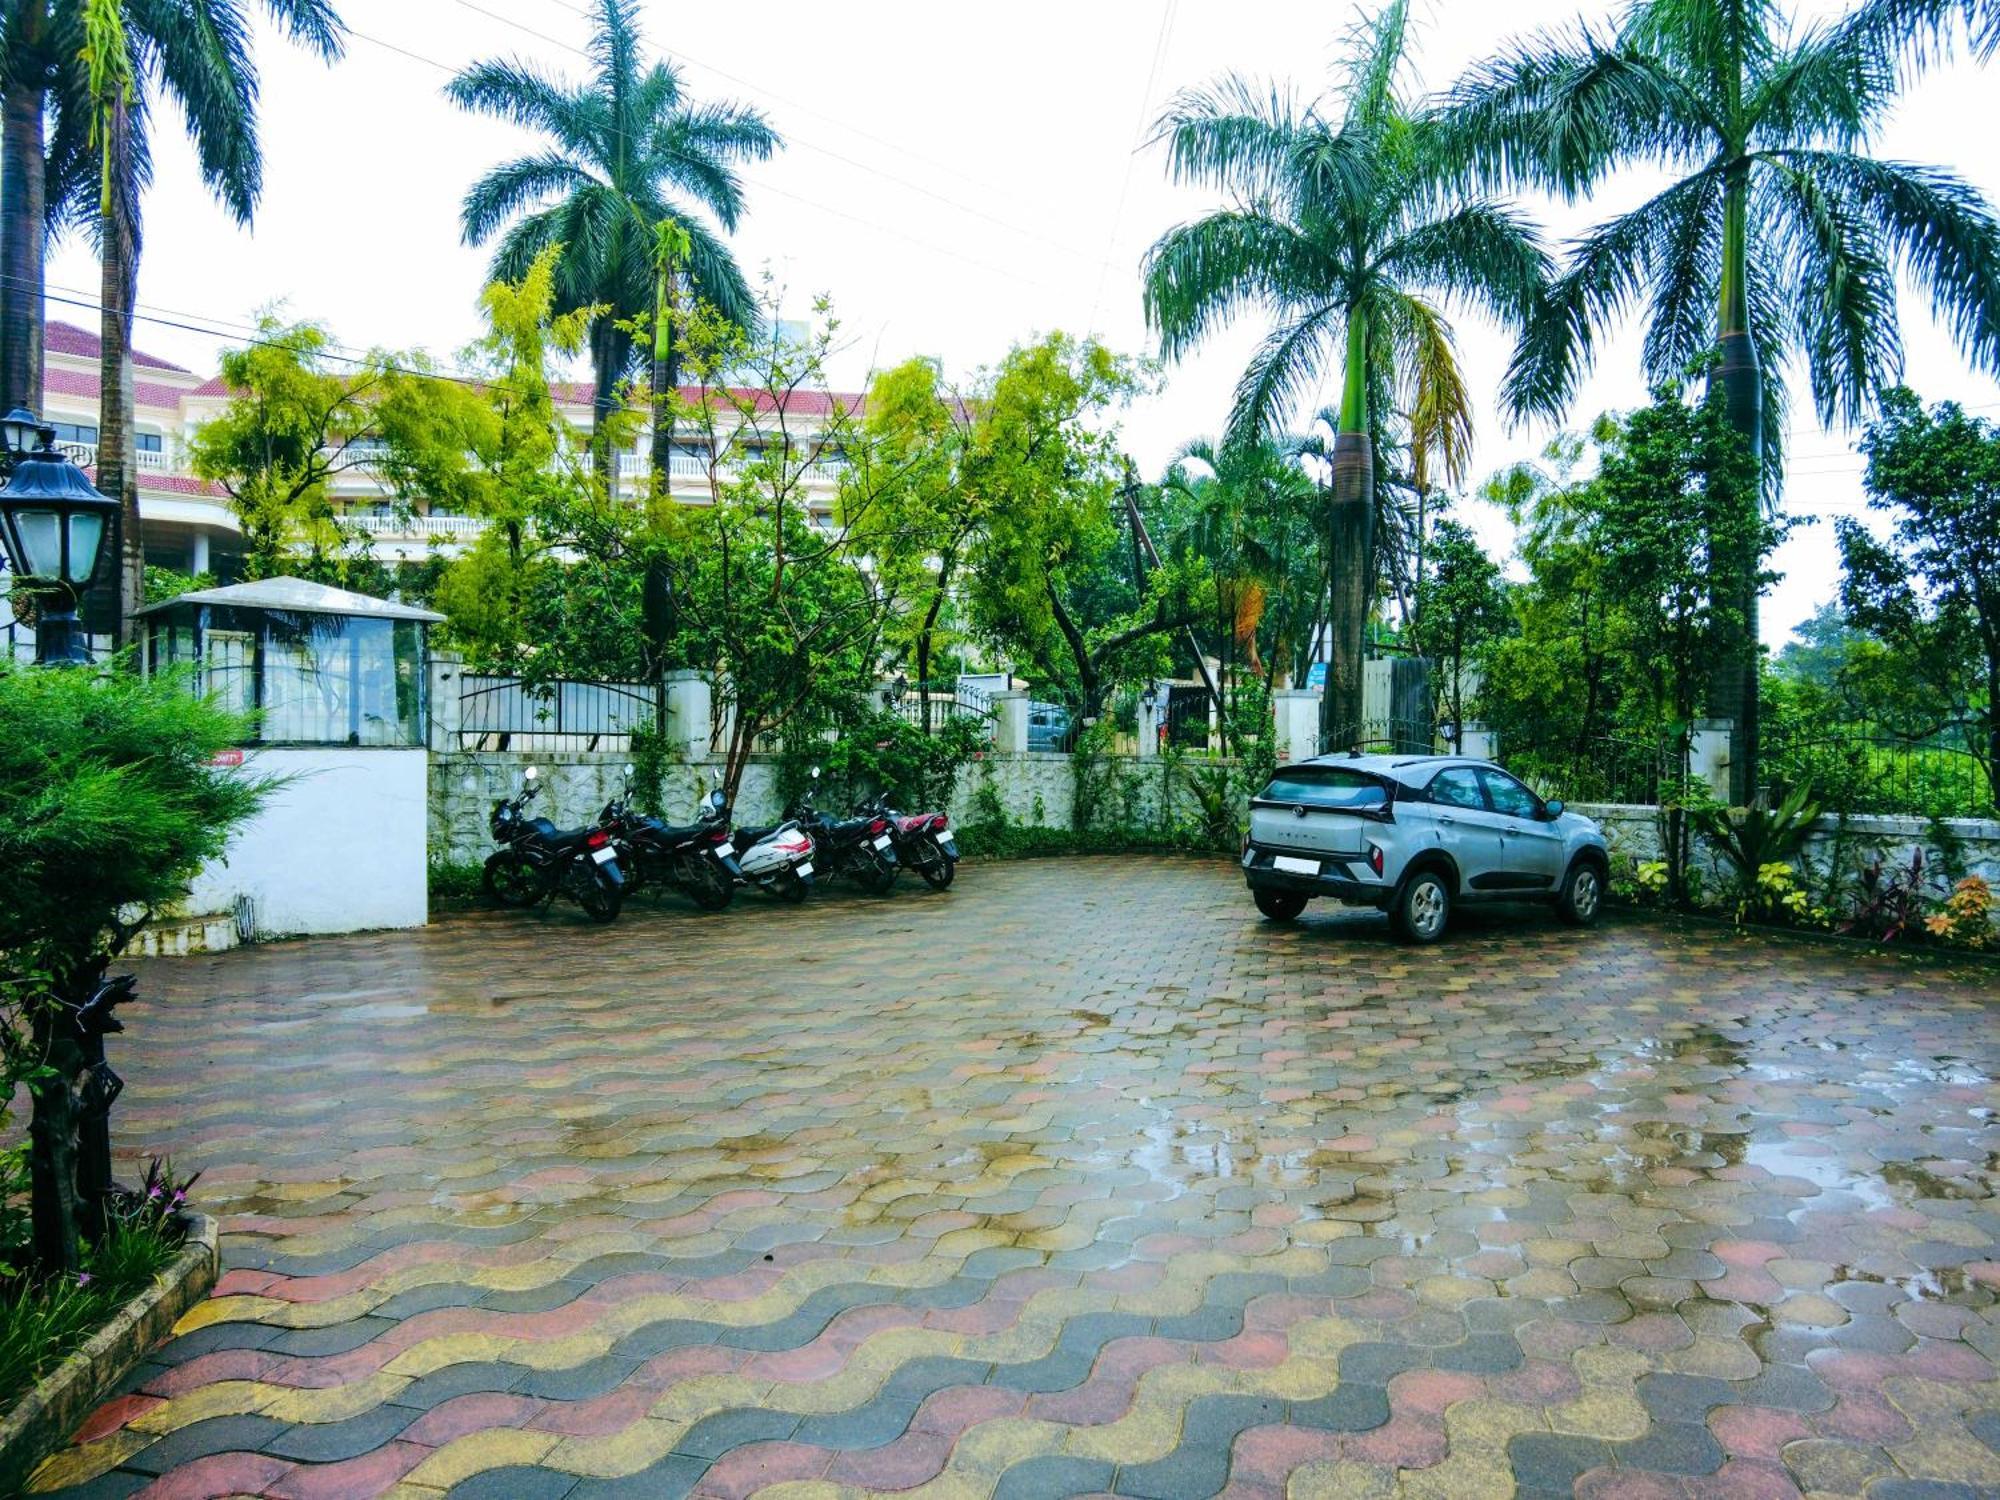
[172, 484]
[67, 338]
[79, 383]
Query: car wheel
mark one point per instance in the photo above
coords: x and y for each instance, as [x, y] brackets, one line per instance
[1422, 907]
[1279, 906]
[1582, 895]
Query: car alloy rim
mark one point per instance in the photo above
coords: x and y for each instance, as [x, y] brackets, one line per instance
[1427, 907]
[1585, 899]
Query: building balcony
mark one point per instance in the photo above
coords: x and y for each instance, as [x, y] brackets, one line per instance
[418, 528]
[84, 456]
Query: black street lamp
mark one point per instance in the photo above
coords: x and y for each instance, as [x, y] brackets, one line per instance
[54, 523]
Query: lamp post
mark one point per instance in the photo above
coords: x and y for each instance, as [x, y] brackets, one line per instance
[54, 522]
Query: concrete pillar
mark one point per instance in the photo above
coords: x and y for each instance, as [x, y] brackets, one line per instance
[1477, 740]
[690, 704]
[1709, 753]
[1152, 720]
[1010, 723]
[446, 703]
[1295, 722]
[199, 560]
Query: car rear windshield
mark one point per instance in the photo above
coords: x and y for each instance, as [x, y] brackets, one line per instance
[1326, 786]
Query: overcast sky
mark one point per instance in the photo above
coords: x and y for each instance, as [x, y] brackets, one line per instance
[957, 180]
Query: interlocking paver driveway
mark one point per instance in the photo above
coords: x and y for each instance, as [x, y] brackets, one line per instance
[1078, 1178]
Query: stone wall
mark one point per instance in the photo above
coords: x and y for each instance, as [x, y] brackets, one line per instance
[1835, 848]
[1033, 788]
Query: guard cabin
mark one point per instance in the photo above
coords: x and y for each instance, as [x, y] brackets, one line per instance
[334, 685]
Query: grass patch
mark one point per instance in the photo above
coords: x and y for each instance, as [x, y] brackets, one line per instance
[455, 885]
[43, 1323]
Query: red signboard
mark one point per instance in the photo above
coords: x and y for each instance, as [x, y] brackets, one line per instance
[227, 758]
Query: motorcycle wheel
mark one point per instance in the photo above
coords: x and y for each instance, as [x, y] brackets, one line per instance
[792, 887]
[936, 870]
[878, 879]
[512, 882]
[600, 903]
[708, 887]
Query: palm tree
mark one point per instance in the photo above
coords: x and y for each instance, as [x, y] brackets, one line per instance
[1340, 223]
[134, 52]
[1762, 125]
[627, 153]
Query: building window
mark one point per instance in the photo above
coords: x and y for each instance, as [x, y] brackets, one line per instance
[149, 442]
[74, 432]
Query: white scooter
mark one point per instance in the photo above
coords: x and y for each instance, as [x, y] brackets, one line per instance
[778, 860]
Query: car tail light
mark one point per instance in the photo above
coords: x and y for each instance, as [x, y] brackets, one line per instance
[598, 839]
[1375, 858]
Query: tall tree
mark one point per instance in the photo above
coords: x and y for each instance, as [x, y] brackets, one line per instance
[196, 53]
[1342, 223]
[1780, 235]
[627, 152]
[1932, 589]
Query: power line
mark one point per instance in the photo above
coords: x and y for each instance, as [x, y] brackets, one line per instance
[878, 227]
[1138, 132]
[792, 139]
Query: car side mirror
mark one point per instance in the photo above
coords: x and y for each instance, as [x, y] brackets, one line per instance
[1552, 810]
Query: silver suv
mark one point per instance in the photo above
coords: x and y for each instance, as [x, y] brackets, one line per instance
[1412, 835]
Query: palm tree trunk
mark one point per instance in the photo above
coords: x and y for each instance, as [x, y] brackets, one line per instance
[117, 449]
[1732, 684]
[23, 242]
[1350, 547]
[666, 377]
[604, 366]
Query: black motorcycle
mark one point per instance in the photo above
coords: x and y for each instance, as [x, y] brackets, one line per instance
[697, 858]
[537, 861]
[924, 841]
[863, 848]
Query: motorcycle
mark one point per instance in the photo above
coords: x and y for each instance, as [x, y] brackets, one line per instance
[861, 848]
[536, 860]
[777, 860]
[697, 858]
[923, 841]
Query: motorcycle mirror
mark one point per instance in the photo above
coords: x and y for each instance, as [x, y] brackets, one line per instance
[815, 773]
[628, 770]
[530, 774]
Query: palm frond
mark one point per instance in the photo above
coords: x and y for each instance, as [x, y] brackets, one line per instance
[1685, 271]
[1372, 58]
[314, 24]
[512, 91]
[1836, 84]
[1487, 253]
[1840, 291]
[1435, 402]
[512, 188]
[200, 53]
[1608, 268]
[1936, 225]
[1198, 275]
[1283, 367]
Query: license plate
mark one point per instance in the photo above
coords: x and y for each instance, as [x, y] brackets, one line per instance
[604, 856]
[1293, 866]
[882, 841]
[949, 847]
[723, 851]
[804, 870]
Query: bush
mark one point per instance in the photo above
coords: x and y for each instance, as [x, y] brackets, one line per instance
[456, 885]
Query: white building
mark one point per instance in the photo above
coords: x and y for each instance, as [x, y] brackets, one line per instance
[189, 524]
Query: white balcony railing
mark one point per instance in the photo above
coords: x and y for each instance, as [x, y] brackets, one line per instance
[687, 466]
[84, 455]
[419, 528]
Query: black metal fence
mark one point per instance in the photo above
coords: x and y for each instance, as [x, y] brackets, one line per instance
[1868, 769]
[496, 713]
[1605, 768]
[1398, 736]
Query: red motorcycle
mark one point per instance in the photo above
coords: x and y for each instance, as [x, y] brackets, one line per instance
[923, 841]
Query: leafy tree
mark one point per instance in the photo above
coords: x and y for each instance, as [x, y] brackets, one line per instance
[1932, 590]
[1779, 236]
[298, 418]
[1049, 582]
[628, 152]
[1460, 606]
[1344, 224]
[109, 804]
[915, 504]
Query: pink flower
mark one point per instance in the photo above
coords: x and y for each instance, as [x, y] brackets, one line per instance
[83, 1278]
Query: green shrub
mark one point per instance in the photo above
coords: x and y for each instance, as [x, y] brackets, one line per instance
[456, 885]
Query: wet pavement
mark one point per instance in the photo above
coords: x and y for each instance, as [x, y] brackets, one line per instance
[1077, 1179]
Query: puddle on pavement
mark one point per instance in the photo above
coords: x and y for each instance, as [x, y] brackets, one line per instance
[387, 1011]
